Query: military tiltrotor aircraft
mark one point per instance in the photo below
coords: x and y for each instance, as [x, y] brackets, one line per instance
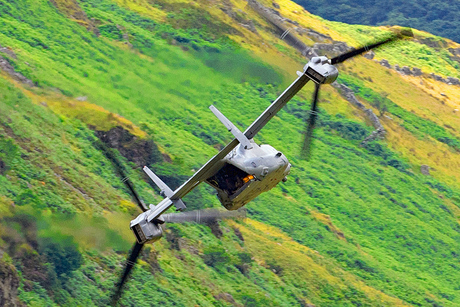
[242, 169]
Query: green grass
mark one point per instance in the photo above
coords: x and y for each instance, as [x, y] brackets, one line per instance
[404, 52]
[417, 126]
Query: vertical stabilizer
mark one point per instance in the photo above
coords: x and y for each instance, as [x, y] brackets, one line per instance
[165, 190]
[232, 128]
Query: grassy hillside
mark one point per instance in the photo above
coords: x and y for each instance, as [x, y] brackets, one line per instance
[433, 16]
[355, 225]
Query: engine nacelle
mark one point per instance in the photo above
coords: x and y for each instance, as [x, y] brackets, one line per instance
[145, 231]
[320, 70]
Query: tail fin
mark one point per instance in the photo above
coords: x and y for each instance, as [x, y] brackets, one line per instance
[165, 190]
[232, 128]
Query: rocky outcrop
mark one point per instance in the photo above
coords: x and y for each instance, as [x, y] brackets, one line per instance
[330, 50]
[9, 69]
[406, 70]
[3, 167]
[9, 283]
[433, 43]
[228, 9]
[452, 81]
[375, 135]
[8, 52]
[455, 54]
[72, 9]
[226, 297]
[448, 80]
[425, 169]
[215, 228]
[238, 234]
[436, 77]
[275, 18]
[369, 55]
[270, 14]
[249, 24]
[385, 63]
[315, 36]
[33, 267]
[417, 72]
[455, 51]
[141, 152]
[350, 97]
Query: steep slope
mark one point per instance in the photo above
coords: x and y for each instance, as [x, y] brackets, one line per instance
[356, 225]
[436, 17]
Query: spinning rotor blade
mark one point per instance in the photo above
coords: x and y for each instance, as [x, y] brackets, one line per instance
[343, 57]
[199, 216]
[135, 252]
[314, 109]
[202, 216]
[137, 248]
[305, 154]
[121, 173]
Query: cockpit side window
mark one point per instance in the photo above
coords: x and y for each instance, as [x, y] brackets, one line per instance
[228, 179]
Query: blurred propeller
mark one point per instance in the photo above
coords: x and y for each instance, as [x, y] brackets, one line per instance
[305, 154]
[108, 152]
[198, 216]
[343, 57]
[135, 252]
[137, 248]
[308, 134]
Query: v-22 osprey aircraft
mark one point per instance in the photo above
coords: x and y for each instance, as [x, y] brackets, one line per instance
[240, 171]
[243, 169]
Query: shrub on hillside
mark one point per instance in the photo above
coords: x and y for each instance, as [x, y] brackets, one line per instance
[63, 255]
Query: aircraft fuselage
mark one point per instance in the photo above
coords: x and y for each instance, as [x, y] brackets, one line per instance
[246, 173]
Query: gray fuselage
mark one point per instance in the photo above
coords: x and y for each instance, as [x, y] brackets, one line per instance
[248, 172]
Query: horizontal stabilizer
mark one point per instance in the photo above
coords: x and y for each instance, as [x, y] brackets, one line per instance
[232, 128]
[165, 191]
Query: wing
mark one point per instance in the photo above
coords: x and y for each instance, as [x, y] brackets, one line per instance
[207, 170]
[215, 162]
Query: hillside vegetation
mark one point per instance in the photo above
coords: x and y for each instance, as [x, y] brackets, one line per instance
[436, 17]
[356, 225]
